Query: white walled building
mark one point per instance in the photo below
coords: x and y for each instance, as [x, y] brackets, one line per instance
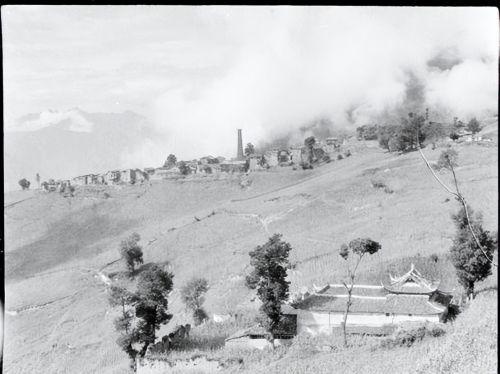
[375, 309]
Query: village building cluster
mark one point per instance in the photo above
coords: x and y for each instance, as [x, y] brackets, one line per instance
[321, 150]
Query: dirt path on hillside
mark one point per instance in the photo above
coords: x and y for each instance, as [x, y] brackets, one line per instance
[17, 202]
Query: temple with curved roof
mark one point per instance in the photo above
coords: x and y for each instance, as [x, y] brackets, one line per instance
[375, 309]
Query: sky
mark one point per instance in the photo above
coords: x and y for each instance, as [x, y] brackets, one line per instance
[201, 72]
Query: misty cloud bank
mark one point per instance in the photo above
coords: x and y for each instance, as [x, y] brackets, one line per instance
[348, 66]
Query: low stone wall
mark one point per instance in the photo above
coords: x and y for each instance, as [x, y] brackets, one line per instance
[195, 365]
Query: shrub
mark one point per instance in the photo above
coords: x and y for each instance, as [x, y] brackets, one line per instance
[340, 157]
[347, 153]
[377, 183]
[24, 183]
[192, 295]
[306, 165]
[326, 159]
[407, 336]
[434, 257]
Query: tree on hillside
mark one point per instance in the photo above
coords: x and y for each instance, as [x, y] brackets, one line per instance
[183, 168]
[411, 132]
[385, 134]
[153, 288]
[367, 132]
[270, 263]
[249, 149]
[120, 296]
[353, 254]
[469, 260]
[24, 183]
[433, 132]
[170, 161]
[192, 295]
[309, 145]
[131, 252]
[474, 126]
[449, 159]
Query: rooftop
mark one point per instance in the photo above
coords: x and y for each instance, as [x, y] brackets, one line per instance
[393, 304]
[288, 326]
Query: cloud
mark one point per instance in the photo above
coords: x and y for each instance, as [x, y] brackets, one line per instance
[346, 64]
[72, 120]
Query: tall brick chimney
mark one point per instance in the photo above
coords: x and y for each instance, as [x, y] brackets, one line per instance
[240, 155]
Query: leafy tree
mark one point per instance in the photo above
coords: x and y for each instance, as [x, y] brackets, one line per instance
[153, 288]
[120, 296]
[25, 184]
[184, 168]
[434, 132]
[170, 161]
[367, 132]
[131, 252]
[353, 254]
[249, 149]
[385, 134]
[192, 295]
[468, 258]
[309, 145]
[474, 126]
[411, 130]
[270, 263]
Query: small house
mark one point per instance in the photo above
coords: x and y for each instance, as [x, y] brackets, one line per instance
[256, 162]
[233, 166]
[284, 157]
[272, 157]
[127, 176]
[255, 337]
[375, 309]
[112, 177]
[149, 171]
[296, 154]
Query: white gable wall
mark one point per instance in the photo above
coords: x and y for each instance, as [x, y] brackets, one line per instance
[323, 322]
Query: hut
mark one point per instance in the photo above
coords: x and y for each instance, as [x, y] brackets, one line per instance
[255, 337]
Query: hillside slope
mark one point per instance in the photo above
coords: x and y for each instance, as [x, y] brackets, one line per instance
[59, 250]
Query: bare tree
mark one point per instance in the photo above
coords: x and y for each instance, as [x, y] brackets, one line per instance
[448, 159]
[353, 254]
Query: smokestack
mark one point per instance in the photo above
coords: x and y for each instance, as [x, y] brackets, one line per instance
[240, 147]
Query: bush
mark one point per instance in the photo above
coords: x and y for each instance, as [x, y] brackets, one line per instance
[406, 337]
[434, 257]
[340, 157]
[326, 159]
[306, 165]
[377, 183]
[347, 153]
[25, 184]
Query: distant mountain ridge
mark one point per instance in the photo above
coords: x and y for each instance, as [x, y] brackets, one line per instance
[64, 144]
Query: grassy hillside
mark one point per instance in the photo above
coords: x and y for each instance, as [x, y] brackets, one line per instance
[58, 249]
